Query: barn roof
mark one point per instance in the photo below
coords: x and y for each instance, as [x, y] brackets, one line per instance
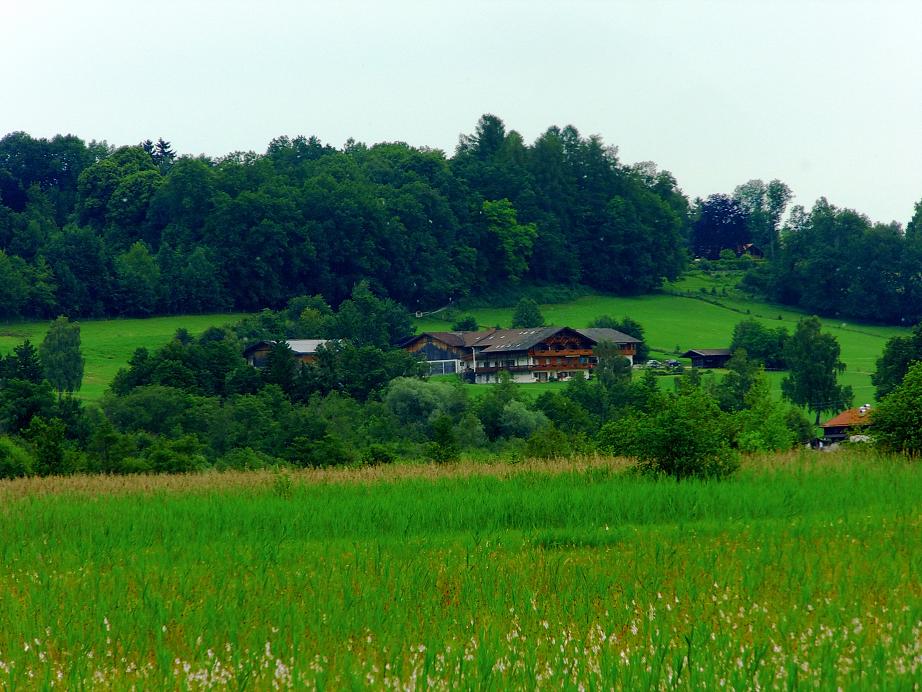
[707, 352]
[300, 347]
[852, 418]
[522, 339]
[516, 339]
[598, 334]
[456, 339]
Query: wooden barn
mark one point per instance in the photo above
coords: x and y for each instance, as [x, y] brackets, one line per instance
[854, 421]
[444, 351]
[304, 350]
[708, 357]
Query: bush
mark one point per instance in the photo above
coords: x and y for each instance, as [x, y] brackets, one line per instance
[376, 454]
[898, 418]
[527, 314]
[15, 462]
[444, 446]
[547, 442]
[466, 323]
[517, 420]
[327, 450]
[687, 438]
[175, 456]
[245, 459]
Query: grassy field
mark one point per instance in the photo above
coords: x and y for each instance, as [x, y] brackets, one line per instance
[108, 344]
[803, 571]
[676, 321]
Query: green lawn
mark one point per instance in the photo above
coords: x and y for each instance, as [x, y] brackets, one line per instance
[675, 323]
[802, 573]
[108, 344]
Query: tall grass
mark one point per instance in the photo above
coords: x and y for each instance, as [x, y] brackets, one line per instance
[797, 571]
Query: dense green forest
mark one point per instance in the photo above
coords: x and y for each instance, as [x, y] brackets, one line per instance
[91, 230]
[88, 230]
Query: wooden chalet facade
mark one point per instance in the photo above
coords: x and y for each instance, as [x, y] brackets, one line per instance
[528, 355]
[304, 350]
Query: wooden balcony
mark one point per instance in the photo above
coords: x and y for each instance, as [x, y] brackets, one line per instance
[508, 368]
[544, 367]
[584, 352]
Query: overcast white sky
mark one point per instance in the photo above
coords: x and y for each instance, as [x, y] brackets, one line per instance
[825, 95]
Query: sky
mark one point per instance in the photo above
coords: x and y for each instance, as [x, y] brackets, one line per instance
[822, 94]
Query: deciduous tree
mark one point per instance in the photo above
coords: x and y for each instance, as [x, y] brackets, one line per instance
[61, 356]
[813, 363]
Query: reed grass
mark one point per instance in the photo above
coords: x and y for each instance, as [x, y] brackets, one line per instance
[801, 571]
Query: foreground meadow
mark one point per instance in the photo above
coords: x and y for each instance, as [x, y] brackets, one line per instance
[803, 570]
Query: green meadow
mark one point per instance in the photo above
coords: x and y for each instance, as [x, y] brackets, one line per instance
[802, 571]
[683, 317]
[108, 344]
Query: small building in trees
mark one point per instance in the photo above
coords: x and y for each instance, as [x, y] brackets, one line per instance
[854, 421]
[529, 355]
[709, 357]
[304, 350]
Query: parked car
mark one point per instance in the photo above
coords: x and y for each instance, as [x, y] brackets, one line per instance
[672, 363]
[654, 364]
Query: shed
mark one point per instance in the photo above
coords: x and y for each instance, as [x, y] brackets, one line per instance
[850, 422]
[304, 350]
[708, 357]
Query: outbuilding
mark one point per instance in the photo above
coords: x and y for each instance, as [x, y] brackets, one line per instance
[708, 357]
[854, 421]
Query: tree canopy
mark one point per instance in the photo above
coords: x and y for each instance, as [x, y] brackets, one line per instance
[812, 358]
[87, 229]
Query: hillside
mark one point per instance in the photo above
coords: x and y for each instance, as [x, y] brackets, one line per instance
[108, 344]
[680, 317]
[689, 314]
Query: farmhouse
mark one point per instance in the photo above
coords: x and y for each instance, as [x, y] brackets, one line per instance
[708, 357]
[305, 350]
[528, 355]
[854, 421]
[444, 351]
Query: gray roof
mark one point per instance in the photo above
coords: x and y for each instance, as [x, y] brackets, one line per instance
[598, 334]
[507, 340]
[707, 352]
[502, 340]
[300, 347]
[455, 339]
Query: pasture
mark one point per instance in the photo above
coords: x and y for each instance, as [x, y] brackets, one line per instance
[683, 317]
[108, 344]
[802, 571]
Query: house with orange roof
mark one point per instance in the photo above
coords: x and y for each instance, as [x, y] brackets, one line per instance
[854, 421]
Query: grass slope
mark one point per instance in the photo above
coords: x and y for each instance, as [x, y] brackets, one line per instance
[801, 572]
[683, 317]
[108, 344]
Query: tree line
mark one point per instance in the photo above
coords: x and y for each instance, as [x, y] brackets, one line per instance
[91, 230]
[196, 403]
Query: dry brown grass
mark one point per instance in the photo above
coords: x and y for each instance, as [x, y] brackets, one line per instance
[221, 481]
